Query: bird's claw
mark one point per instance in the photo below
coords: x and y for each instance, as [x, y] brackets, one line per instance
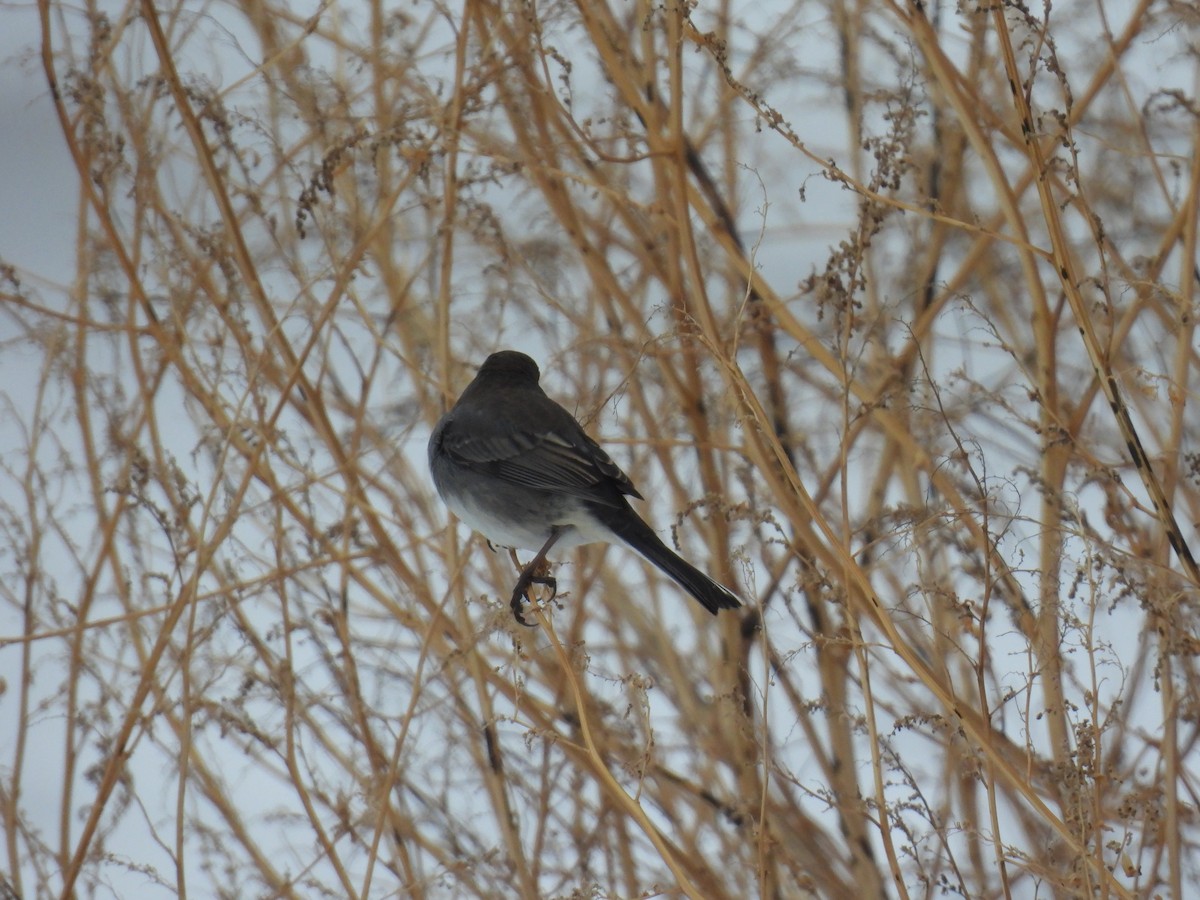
[520, 593]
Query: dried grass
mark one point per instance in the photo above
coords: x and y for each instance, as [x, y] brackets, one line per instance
[887, 307]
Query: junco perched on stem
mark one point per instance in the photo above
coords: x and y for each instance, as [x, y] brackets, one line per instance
[518, 468]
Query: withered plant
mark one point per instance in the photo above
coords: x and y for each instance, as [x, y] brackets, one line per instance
[888, 308]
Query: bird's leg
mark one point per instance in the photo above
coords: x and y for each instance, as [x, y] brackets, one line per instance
[535, 572]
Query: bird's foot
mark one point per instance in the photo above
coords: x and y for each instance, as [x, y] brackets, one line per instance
[530, 576]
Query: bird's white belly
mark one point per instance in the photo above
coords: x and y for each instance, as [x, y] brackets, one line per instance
[502, 531]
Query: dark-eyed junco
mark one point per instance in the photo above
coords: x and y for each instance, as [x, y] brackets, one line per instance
[518, 468]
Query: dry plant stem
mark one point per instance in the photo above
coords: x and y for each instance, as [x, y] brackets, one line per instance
[383, 789]
[1184, 320]
[109, 523]
[186, 747]
[764, 852]
[116, 761]
[1055, 456]
[1190, 214]
[70, 865]
[287, 677]
[215, 791]
[454, 114]
[1065, 266]
[861, 592]
[893, 427]
[853, 809]
[684, 278]
[12, 796]
[883, 826]
[294, 376]
[914, 17]
[499, 788]
[579, 173]
[205, 552]
[599, 768]
[1047, 620]
[982, 663]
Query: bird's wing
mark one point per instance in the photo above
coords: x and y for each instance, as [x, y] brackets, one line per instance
[558, 458]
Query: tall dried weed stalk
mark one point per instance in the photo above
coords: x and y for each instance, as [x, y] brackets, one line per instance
[889, 308]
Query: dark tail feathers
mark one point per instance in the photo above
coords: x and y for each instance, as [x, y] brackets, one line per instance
[628, 526]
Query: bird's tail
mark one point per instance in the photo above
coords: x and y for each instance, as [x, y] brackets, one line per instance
[629, 527]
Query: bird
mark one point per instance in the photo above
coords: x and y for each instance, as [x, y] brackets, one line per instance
[518, 468]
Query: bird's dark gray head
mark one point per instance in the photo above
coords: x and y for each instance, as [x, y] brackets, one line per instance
[511, 364]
